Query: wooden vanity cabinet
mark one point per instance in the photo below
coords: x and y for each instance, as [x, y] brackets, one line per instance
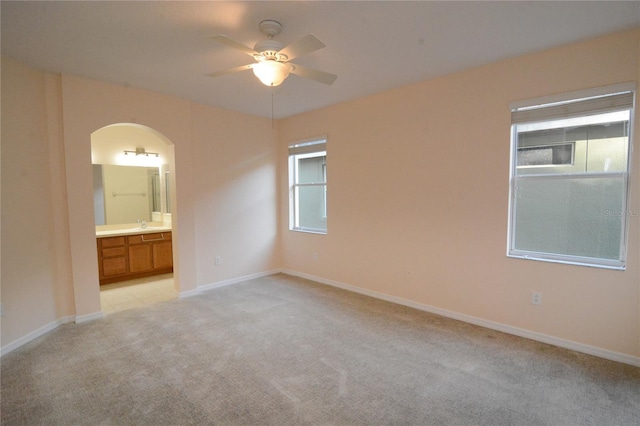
[134, 256]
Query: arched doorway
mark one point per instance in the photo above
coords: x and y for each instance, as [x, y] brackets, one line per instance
[133, 189]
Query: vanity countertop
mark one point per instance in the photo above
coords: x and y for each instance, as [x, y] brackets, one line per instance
[132, 231]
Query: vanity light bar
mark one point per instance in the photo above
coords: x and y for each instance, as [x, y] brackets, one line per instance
[141, 151]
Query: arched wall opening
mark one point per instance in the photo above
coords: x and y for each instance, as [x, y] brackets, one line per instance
[88, 106]
[133, 174]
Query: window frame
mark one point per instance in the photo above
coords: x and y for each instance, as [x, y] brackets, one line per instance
[307, 148]
[559, 100]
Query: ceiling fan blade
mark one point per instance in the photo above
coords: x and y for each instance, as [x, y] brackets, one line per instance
[306, 44]
[232, 43]
[232, 70]
[319, 76]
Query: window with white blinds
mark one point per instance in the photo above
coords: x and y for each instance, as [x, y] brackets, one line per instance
[569, 179]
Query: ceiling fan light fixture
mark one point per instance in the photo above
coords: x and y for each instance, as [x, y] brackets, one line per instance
[271, 72]
[272, 58]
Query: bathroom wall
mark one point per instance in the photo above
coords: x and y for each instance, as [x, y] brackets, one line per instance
[128, 193]
[114, 145]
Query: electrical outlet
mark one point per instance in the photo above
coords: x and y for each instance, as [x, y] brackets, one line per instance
[536, 298]
[315, 256]
[217, 261]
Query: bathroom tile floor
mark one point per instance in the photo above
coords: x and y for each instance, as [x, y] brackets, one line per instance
[136, 293]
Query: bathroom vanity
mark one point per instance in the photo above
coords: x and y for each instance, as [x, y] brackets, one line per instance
[134, 253]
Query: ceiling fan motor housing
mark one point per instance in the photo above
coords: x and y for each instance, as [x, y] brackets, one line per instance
[268, 46]
[270, 28]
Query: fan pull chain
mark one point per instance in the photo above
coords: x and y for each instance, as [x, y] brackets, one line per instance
[272, 108]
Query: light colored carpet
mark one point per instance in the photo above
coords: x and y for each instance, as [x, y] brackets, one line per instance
[282, 350]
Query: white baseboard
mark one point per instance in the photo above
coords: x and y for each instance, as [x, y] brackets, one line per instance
[47, 328]
[89, 317]
[97, 315]
[533, 335]
[563, 343]
[189, 293]
[237, 280]
[35, 334]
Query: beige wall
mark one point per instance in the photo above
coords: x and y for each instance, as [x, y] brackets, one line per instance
[236, 201]
[225, 164]
[417, 198]
[36, 265]
[418, 185]
[635, 188]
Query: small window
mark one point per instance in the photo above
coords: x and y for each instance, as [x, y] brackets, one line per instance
[569, 180]
[308, 187]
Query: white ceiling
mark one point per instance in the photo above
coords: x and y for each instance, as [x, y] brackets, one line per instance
[372, 46]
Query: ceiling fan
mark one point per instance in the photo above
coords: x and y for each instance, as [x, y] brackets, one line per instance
[272, 58]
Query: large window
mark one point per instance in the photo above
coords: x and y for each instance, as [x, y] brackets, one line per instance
[569, 179]
[308, 186]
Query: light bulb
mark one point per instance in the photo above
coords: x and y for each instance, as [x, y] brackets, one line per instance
[271, 72]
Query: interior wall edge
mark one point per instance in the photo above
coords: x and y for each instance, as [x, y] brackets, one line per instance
[79, 319]
[237, 280]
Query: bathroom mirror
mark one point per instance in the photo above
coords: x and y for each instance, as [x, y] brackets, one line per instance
[125, 194]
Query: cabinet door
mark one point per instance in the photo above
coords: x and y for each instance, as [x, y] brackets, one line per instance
[140, 258]
[114, 266]
[162, 255]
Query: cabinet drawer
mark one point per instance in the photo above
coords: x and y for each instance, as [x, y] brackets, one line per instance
[113, 252]
[111, 242]
[148, 238]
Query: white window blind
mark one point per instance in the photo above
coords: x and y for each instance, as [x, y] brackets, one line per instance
[573, 108]
[307, 147]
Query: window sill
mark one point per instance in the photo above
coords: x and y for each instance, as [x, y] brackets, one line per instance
[309, 231]
[614, 265]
